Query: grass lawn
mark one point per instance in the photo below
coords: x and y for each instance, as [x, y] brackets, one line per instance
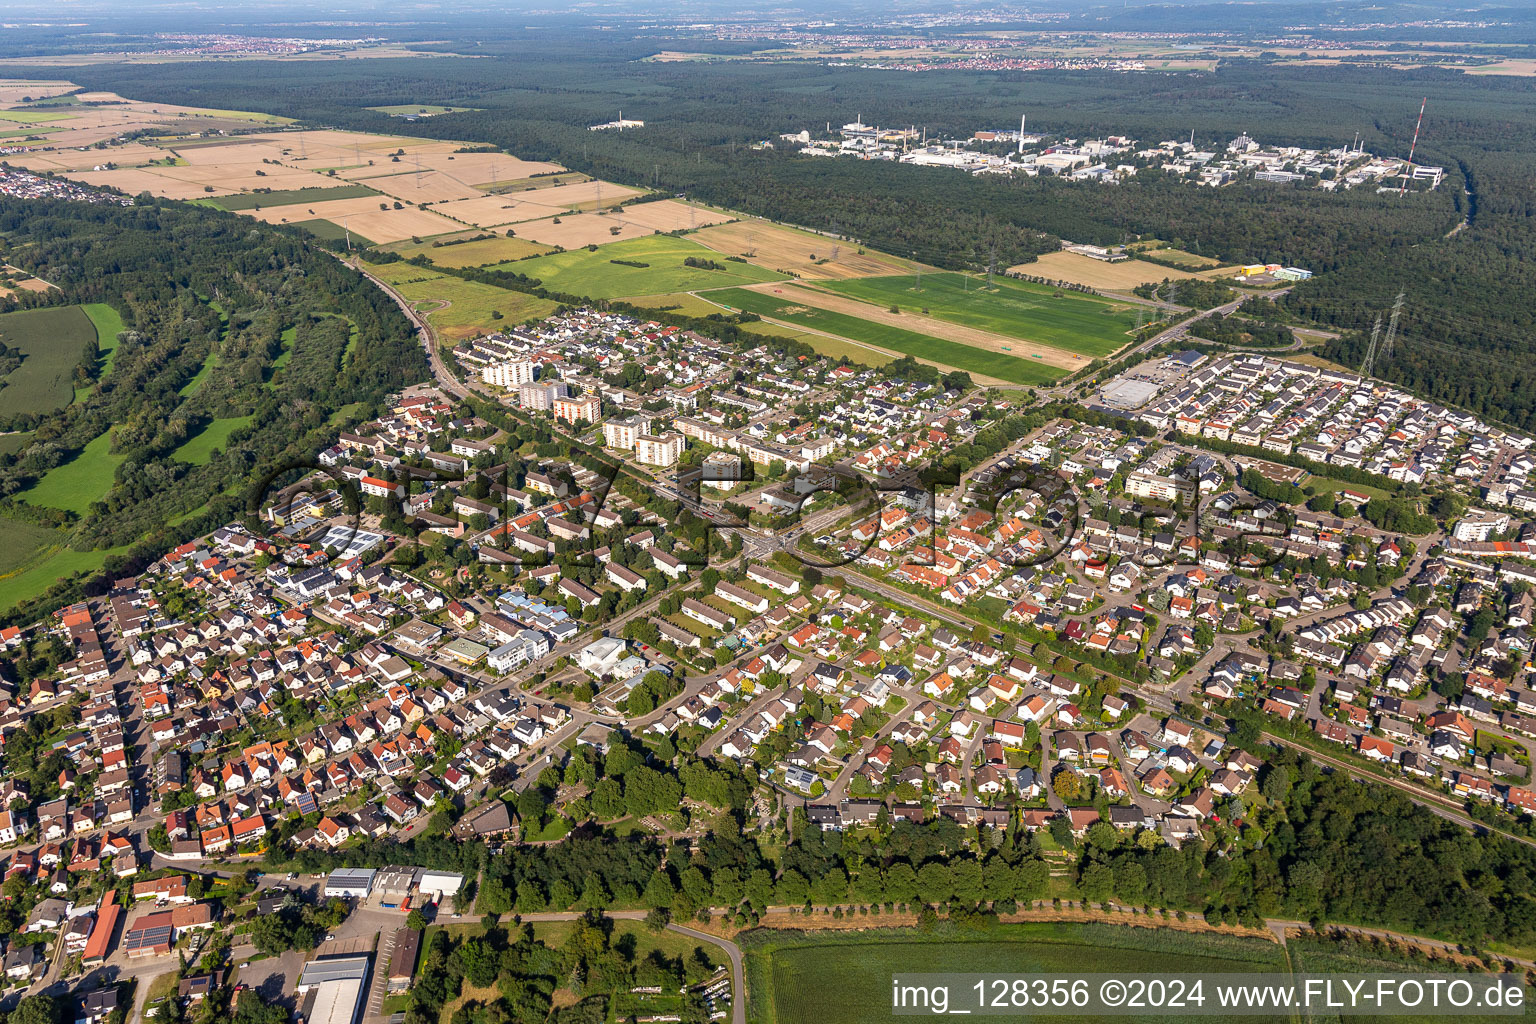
[949, 353]
[481, 252]
[202, 373]
[833, 976]
[199, 448]
[631, 935]
[52, 340]
[1061, 319]
[74, 485]
[291, 197]
[10, 444]
[469, 304]
[595, 274]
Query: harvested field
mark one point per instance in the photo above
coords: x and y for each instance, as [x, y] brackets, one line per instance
[132, 154]
[471, 168]
[334, 147]
[581, 229]
[535, 203]
[479, 253]
[960, 334]
[14, 92]
[362, 216]
[532, 182]
[1075, 268]
[425, 186]
[671, 215]
[799, 252]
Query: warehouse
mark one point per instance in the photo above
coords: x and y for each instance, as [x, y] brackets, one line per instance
[352, 883]
[332, 989]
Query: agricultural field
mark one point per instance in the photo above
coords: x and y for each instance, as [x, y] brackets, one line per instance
[480, 252]
[75, 484]
[1067, 320]
[793, 307]
[291, 197]
[1075, 268]
[801, 253]
[811, 978]
[457, 308]
[37, 559]
[607, 273]
[52, 340]
[418, 110]
[363, 216]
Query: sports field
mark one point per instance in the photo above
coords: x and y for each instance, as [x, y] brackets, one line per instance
[457, 308]
[602, 275]
[74, 485]
[937, 350]
[820, 977]
[1078, 323]
[51, 340]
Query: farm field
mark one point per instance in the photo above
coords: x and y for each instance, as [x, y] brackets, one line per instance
[42, 563]
[597, 274]
[362, 216]
[290, 197]
[535, 203]
[1067, 320]
[1075, 268]
[481, 252]
[793, 308]
[52, 340]
[326, 231]
[636, 221]
[818, 977]
[75, 484]
[802, 253]
[457, 308]
[199, 448]
[418, 109]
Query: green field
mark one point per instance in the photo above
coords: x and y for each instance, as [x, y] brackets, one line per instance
[922, 346]
[108, 324]
[51, 340]
[469, 304]
[815, 978]
[594, 274]
[10, 444]
[50, 566]
[291, 197]
[1066, 320]
[75, 484]
[32, 116]
[199, 448]
[329, 231]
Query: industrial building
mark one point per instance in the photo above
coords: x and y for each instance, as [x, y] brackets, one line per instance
[350, 883]
[331, 990]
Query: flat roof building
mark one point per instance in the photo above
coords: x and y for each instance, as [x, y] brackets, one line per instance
[350, 882]
[332, 989]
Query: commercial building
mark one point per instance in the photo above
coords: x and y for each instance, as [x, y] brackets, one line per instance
[331, 990]
[350, 883]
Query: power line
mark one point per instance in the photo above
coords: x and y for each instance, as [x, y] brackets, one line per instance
[1370, 353]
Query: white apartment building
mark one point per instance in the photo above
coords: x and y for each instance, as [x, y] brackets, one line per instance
[660, 450]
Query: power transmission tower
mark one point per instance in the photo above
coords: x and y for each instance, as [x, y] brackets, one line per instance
[1397, 309]
[1370, 352]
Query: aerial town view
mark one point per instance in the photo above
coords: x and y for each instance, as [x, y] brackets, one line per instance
[808, 516]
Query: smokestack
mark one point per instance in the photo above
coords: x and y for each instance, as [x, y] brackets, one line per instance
[1021, 134]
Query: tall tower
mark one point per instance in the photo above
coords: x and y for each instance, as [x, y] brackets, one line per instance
[1021, 133]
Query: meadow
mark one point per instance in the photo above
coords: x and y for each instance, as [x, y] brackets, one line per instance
[457, 308]
[199, 448]
[481, 252]
[600, 276]
[51, 340]
[1062, 319]
[75, 484]
[811, 978]
[922, 346]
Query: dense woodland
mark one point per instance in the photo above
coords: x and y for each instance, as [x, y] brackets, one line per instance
[211, 303]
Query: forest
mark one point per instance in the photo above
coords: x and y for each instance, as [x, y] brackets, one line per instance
[225, 319]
